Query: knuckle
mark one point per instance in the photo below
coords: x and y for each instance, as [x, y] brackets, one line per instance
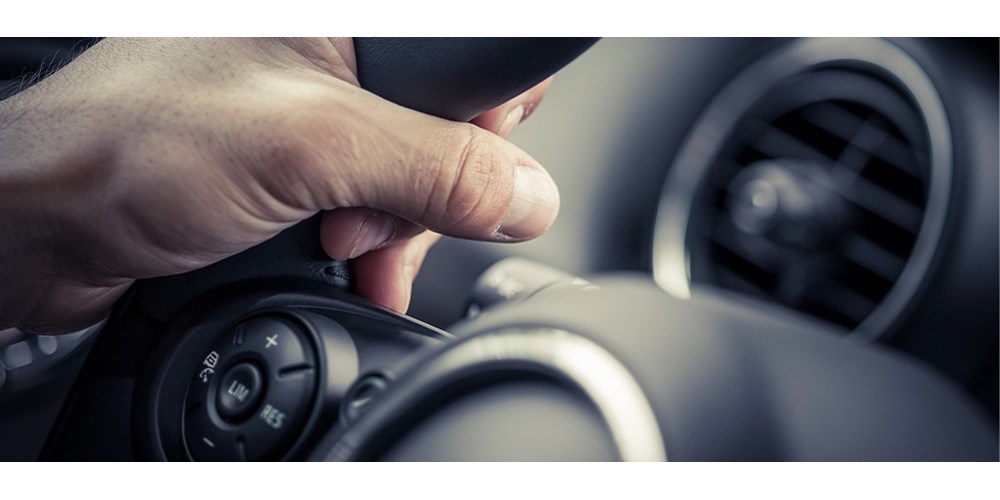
[470, 181]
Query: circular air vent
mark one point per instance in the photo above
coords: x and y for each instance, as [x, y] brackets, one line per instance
[818, 179]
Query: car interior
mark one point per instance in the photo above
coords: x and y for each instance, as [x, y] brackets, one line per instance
[768, 249]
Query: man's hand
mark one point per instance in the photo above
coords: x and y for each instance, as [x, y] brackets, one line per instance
[148, 157]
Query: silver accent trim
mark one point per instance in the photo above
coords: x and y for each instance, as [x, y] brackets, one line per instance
[671, 263]
[573, 358]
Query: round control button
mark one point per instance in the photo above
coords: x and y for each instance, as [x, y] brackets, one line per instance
[367, 389]
[239, 391]
[47, 344]
[18, 355]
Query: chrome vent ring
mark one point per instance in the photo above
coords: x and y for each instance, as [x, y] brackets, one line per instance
[819, 179]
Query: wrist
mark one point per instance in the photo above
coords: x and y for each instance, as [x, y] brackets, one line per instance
[26, 250]
[43, 198]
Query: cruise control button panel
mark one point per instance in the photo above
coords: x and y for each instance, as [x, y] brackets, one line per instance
[266, 378]
[252, 391]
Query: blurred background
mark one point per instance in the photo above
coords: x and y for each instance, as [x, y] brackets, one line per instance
[853, 181]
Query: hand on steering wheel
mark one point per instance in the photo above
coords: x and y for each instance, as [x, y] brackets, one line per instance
[145, 158]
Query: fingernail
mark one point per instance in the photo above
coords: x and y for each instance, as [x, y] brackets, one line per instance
[375, 231]
[536, 202]
[511, 121]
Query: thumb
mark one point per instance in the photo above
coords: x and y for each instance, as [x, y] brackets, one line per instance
[453, 178]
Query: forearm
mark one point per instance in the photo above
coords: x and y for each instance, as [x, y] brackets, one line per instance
[25, 238]
[46, 177]
[25, 232]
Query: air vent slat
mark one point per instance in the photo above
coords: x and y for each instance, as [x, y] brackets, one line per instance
[868, 138]
[741, 283]
[796, 127]
[900, 183]
[851, 186]
[836, 313]
[844, 300]
[887, 235]
[883, 203]
[834, 119]
[895, 153]
[738, 264]
[873, 257]
[755, 254]
[777, 143]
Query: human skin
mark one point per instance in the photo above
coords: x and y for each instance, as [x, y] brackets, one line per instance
[151, 157]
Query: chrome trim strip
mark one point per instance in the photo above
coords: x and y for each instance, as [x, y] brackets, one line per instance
[572, 358]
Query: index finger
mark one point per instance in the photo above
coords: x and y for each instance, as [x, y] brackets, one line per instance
[502, 119]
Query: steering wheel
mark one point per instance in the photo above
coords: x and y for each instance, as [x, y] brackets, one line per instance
[267, 355]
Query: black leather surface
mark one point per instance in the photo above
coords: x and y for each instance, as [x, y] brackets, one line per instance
[459, 78]
[296, 253]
